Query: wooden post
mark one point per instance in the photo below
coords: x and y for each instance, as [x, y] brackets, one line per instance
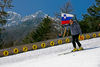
[64, 32]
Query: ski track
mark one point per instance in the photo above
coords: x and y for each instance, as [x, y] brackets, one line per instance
[41, 56]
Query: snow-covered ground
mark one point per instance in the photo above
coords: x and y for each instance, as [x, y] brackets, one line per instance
[48, 57]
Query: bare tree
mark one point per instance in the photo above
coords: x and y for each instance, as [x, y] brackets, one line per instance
[66, 8]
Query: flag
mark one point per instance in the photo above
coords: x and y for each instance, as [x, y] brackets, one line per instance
[65, 18]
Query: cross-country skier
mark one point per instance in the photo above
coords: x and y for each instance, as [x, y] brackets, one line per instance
[75, 32]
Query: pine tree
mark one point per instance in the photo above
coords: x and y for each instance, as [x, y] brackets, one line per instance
[91, 20]
[40, 33]
[3, 14]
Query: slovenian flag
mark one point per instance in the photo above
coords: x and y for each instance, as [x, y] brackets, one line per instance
[65, 18]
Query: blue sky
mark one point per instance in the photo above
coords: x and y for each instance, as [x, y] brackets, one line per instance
[27, 7]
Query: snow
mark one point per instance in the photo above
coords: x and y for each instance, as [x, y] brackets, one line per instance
[48, 57]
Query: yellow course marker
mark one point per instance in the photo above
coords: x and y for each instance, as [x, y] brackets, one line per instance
[59, 41]
[67, 40]
[25, 49]
[34, 47]
[99, 34]
[52, 43]
[5, 53]
[43, 45]
[88, 36]
[94, 35]
[15, 50]
[81, 37]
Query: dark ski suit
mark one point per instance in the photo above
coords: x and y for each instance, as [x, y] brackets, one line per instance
[75, 31]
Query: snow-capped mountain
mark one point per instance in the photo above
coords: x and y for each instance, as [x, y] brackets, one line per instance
[38, 14]
[18, 27]
[13, 18]
[33, 19]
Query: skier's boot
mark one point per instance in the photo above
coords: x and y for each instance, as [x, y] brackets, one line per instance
[75, 49]
[81, 48]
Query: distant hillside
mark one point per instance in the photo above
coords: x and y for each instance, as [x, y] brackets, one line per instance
[18, 27]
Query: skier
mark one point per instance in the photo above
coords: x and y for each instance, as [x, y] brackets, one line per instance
[75, 32]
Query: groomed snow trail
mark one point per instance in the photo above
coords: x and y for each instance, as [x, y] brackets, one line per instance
[48, 57]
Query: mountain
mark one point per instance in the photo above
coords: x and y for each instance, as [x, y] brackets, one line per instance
[34, 19]
[18, 27]
[13, 18]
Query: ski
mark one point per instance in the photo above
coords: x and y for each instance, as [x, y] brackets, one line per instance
[77, 51]
[64, 53]
[67, 53]
[71, 52]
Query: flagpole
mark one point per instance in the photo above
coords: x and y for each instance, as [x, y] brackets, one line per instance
[64, 32]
